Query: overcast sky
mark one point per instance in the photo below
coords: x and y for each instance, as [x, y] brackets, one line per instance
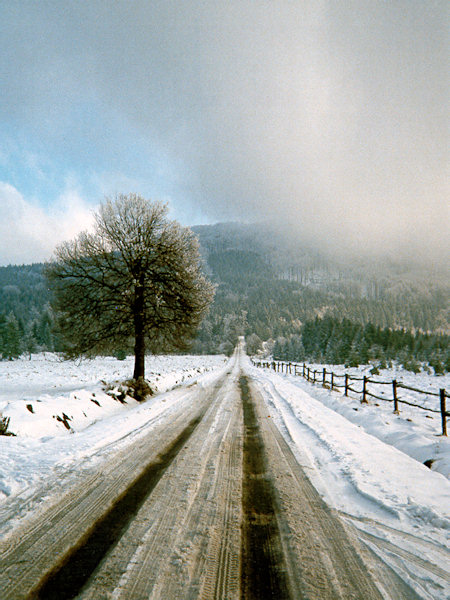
[328, 116]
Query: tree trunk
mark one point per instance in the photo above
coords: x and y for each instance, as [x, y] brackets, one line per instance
[139, 356]
[139, 337]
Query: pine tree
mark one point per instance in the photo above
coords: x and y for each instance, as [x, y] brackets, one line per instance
[29, 342]
[11, 338]
[254, 344]
[353, 357]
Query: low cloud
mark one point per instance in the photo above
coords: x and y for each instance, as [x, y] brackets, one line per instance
[28, 233]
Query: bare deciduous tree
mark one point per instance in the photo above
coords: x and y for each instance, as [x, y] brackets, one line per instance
[136, 279]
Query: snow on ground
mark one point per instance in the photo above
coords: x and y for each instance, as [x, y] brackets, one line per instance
[400, 506]
[47, 396]
[414, 431]
[73, 392]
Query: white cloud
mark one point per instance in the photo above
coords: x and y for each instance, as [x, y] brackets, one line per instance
[28, 233]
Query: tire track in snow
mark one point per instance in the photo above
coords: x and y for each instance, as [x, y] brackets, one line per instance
[185, 541]
[323, 560]
[67, 579]
[28, 555]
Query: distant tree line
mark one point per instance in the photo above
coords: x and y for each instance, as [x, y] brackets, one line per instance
[19, 336]
[26, 319]
[341, 341]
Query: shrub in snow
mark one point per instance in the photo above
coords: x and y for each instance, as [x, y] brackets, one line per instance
[375, 370]
[121, 355]
[437, 365]
[409, 363]
[4, 424]
[139, 389]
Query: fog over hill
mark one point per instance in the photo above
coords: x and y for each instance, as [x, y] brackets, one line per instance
[290, 254]
[327, 119]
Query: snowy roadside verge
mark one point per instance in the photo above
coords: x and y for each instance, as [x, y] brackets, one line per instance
[27, 461]
[415, 432]
[45, 396]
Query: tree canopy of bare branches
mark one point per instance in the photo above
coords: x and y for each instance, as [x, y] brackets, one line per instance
[135, 281]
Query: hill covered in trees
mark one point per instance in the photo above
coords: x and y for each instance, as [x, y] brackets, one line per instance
[272, 289]
[26, 319]
[269, 289]
[341, 341]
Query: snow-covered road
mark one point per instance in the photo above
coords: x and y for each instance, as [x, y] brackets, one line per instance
[399, 508]
[392, 507]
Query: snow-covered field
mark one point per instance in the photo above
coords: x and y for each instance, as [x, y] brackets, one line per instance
[34, 393]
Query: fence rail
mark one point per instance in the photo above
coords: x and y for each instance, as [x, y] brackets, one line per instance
[328, 378]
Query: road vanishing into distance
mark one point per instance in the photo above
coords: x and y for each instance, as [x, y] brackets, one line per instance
[211, 504]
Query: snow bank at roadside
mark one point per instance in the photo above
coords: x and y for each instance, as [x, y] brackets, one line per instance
[399, 507]
[366, 463]
[415, 432]
[45, 396]
[28, 460]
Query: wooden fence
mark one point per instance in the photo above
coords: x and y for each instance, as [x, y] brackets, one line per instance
[344, 382]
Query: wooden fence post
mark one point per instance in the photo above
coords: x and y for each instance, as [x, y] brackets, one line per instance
[442, 394]
[304, 368]
[332, 380]
[307, 373]
[364, 392]
[290, 369]
[346, 385]
[314, 376]
[394, 391]
[324, 377]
